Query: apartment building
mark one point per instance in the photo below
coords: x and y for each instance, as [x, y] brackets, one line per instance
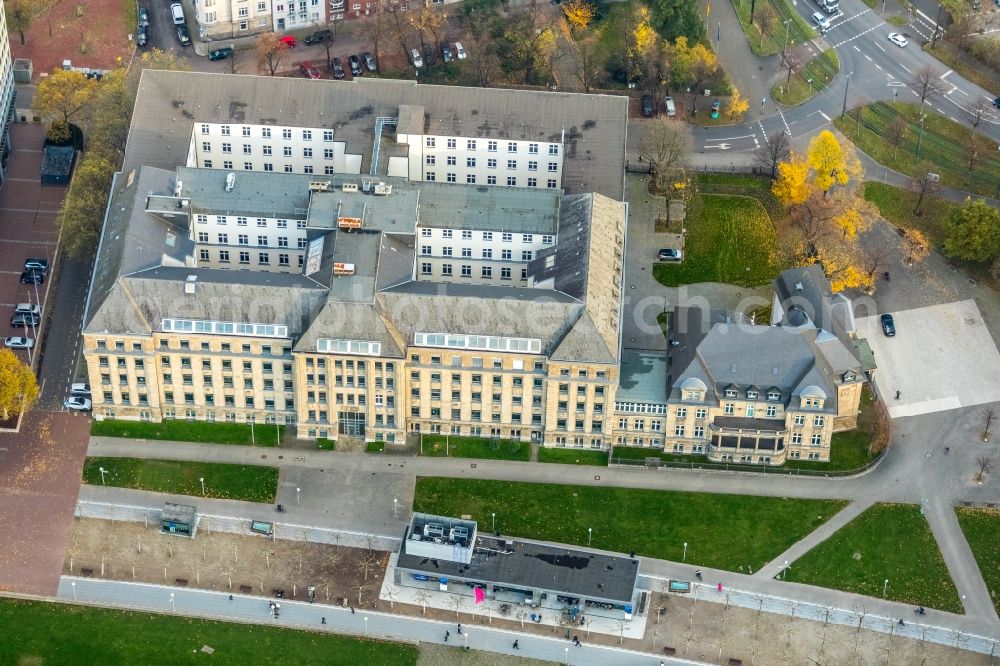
[228, 19]
[757, 394]
[6, 92]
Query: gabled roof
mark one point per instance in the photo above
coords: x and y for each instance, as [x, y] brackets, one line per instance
[349, 321]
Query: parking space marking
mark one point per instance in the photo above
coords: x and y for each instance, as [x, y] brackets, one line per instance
[906, 68]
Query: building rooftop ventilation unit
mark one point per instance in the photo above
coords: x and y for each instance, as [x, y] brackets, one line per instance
[230, 181]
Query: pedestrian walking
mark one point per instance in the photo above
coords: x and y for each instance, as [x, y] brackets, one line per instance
[516, 647]
[322, 620]
[459, 628]
[898, 392]
[230, 597]
[352, 610]
[576, 641]
[446, 635]
[697, 574]
[719, 587]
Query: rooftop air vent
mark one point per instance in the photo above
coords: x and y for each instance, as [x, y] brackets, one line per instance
[230, 181]
[189, 284]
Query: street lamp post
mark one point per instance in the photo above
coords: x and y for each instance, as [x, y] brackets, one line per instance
[784, 570]
[395, 507]
[494, 515]
[684, 558]
[202, 479]
[784, 46]
[590, 534]
[172, 607]
[567, 655]
[885, 587]
[103, 472]
[73, 584]
[298, 496]
[847, 85]
[366, 625]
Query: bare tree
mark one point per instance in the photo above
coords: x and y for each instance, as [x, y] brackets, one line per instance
[362, 587]
[988, 415]
[400, 28]
[924, 185]
[377, 29]
[895, 132]
[423, 597]
[872, 259]
[587, 68]
[20, 14]
[793, 65]
[926, 81]
[985, 462]
[270, 52]
[666, 147]
[392, 593]
[971, 156]
[775, 150]
[976, 109]
[456, 601]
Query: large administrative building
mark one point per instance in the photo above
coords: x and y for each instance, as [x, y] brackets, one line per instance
[376, 258]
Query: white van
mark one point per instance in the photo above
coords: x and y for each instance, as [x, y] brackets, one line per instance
[822, 22]
[177, 11]
[668, 103]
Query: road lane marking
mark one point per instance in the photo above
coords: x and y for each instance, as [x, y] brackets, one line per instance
[942, 77]
[826, 117]
[906, 68]
[868, 58]
[734, 138]
[787, 128]
[855, 47]
[880, 46]
[860, 34]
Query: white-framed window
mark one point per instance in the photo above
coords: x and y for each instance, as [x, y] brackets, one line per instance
[817, 439]
[429, 141]
[554, 149]
[532, 182]
[678, 431]
[818, 421]
[470, 144]
[511, 146]
[491, 146]
[551, 184]
[512, 164]
[265, 132]
[512, 181]
[796, 438]
[532, 148]
[730, 408]
[799, 419]
[491, 180]
[452, 144]
[553, 167]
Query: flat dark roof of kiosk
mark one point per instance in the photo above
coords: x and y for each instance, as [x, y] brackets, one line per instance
[533, 565]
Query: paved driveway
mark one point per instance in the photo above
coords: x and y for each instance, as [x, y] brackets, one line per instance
[941, 358]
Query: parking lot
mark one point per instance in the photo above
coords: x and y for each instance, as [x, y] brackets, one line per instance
[942, 357]
[27, 224]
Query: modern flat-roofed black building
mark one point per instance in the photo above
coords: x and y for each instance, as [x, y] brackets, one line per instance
[449, 554]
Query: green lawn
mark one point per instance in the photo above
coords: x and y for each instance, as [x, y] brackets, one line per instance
[896, 205]
[978, 75]
[981, 527]
[729, 239]
[474, 447]
[773, 40]
[942, 143]
[249, 483]
[191, 431]
[888, 541]
[722, 531]
[33, 632]
[816, 75]
[375, 447]
[572, 456]
[324, 444]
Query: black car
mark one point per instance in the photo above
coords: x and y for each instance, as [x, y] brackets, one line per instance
[338, 69]
[221, 54]
[35, 264]
[142, 36]
[24, 320]
[647, 106]
[319, 37]
[183, 36]
[370, 61]
[143, 17]
[446, 54]
[355, 65]
[996, 102]
[32, 277]
[888, 326]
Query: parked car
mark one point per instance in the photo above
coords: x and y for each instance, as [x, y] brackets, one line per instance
[898, 39]
[460, 51]
[79, 388]
[33, 264]
[32, 277]
[183, 36]
[24, 321]
[141, 36]
[647, 106]
[221, 54]
[821, 22]
[888, 325]
[308, 70]
[177, 12]
[15, 342]
[370, 63]
[288, 41]
[319, 37]
[355, 65]
[669, 254]
[28, 308]
[338, 69]
[446, 54]
[143, 17]
[996, 102]
[77, 403]
[716, 106]
[415, 58]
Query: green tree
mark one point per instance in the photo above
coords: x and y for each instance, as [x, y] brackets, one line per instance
[677, 18]
[18, 388]
[973, 232]
[525, 45]
[82, 213]
[66, 96]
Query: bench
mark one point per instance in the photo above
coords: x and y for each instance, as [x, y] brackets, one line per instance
[669, 651]
[245, 589]
[180, 582]
[86, 572]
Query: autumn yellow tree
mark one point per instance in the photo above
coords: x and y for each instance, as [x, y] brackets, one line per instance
[18, 388]
[823, 223]
[65, 96]
[690, 65]
[579, 13]
[738, 105]
[917, 246]
[641, 41]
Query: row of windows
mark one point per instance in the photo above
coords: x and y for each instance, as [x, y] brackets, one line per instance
[431, 160]
[491, 146]
[328, 170]
[244, 239]
[265, 132]
[268, 150]
[470, 179]
[448, 251]
[426, 268]
[506, 237]
[244, 257]
[243, 221]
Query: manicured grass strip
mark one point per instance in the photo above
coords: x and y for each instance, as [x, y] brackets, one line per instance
[572, 456]
[249, 483]
[943, 145]
[981, 76]
[773, 40]
[816, 75]
[474, 447]
[729, 239]
[981, 527]
[888, 541]
[722, 531]
[375, 447]
[264, 434]
[42, 633]
[324, 444]
[897, 204]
